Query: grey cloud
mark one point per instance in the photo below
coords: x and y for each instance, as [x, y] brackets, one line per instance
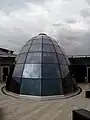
[88, 1]
[8, 6]
[85, 13]
[72, 21]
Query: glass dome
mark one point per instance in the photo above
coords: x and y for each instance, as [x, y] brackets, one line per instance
[42, 69]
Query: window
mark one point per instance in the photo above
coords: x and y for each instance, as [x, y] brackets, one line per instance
[34, 57]
[48, 48]
[64, 70]
[61, 59]
[22, 58]
[18, 70]
[49, 58]
[35, 48]
[32, 71]
[50, 71]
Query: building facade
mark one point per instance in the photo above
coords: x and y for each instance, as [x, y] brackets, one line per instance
[7, 58]
[80, 66]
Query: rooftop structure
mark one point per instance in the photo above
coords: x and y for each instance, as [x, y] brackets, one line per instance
[42, 69]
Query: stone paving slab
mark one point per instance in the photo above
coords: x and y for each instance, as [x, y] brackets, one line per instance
[21, 109]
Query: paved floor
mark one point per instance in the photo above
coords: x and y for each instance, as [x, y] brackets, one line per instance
[21, 109]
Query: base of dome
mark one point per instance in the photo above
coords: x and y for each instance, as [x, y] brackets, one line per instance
[41, 98]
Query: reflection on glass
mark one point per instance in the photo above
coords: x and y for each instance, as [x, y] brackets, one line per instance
[18, 70]
[46, 41]
[34, 57]
[35, 48]
[25, 49]
[48, 48]
[36, 41]
[61, 59]
[22, 58]
[32, 71]
[58, 50]
[49, 58]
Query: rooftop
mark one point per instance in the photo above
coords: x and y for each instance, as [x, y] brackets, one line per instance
[20, 109]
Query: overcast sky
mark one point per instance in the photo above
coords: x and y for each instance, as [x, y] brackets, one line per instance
[68, 21]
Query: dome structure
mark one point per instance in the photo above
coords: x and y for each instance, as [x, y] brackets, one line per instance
[42, 69]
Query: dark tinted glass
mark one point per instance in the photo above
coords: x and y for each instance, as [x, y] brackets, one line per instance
[18, 70]
[32, 71]
[58, 50]
[22, 58]
[53, 87]
[49, 58]
[61, 59]
[30, 86]
[34, 57]
[64, 70]
[48, 48]
[25, 49]
[35, 48]
[50, 71]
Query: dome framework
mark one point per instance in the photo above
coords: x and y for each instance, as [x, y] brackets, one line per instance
[42, 69]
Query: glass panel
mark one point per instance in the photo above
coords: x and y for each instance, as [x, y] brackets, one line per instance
[36, 48]
[48, 48]
[58, 50]
[49, 58]
[29, 42]
[54, 42]
[68, 62]
[63, 51]
[50, 87]
[38, 37]
[22, 58]
[64, 70]
[46, 37]
[30, 86]
[18, 70]
[50, 71]
[47, 41]
[25, 49]
[61, 59]
[36, 41]
[32, 71]
[33, 58]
